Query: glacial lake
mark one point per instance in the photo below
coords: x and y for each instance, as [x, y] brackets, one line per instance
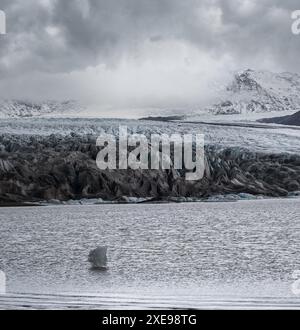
[194, 255]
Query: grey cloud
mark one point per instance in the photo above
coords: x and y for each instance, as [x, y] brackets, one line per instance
[58, 36]
[90, 31]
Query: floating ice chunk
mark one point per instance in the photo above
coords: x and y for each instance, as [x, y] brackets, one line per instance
[98, 257]
[2, 282]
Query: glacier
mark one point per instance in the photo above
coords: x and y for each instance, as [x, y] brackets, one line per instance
[48, 149]
[54, 159]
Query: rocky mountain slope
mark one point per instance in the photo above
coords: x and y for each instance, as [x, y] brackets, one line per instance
[259, 91]
[293, 120]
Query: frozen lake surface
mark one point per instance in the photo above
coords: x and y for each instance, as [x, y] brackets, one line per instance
[194, 255]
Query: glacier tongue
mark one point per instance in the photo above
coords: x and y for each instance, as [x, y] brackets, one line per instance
[63, 168]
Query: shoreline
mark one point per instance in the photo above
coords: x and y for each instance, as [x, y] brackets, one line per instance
[230, 198]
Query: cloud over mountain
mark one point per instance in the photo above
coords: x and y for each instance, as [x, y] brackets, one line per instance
[124, 49]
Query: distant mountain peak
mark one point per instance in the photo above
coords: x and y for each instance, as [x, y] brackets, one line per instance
[25, 108]
[244, 81]
[259, 91]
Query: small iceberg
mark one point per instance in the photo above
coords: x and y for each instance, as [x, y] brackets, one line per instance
[2, 282]
[98, 258]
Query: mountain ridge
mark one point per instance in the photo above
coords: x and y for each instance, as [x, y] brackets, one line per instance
[249, 92]
[293, 120]
[24, 108]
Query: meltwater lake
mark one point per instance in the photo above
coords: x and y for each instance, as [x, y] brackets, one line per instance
[196, 255]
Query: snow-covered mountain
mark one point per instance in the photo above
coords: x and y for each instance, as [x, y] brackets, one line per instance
[249, 92]
[259, 91]
[15, 108]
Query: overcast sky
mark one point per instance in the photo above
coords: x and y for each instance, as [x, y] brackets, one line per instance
[151, 53]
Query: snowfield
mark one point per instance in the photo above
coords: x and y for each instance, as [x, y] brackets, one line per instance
[268, 138]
